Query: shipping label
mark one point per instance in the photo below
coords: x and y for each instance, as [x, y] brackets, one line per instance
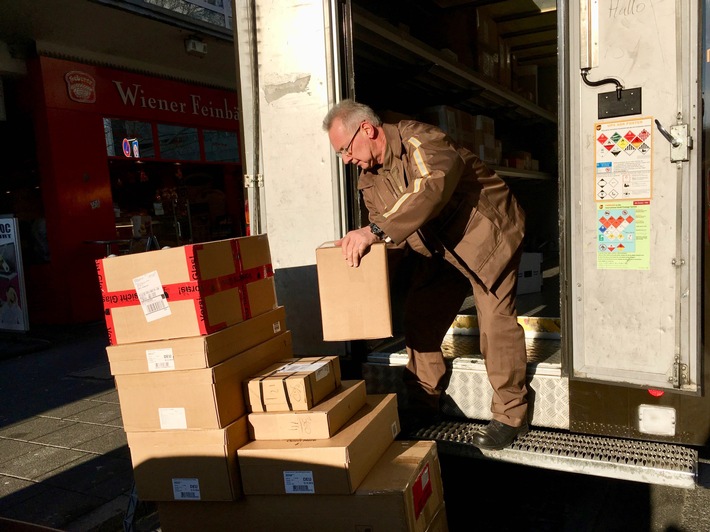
[152, 296]
[160, 359]
[299, 482]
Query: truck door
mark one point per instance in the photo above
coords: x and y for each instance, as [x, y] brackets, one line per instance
[633, 214]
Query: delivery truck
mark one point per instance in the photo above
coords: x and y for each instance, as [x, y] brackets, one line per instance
[592, 111]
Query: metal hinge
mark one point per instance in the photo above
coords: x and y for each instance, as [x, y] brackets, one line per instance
[680, 373]
[253, 182]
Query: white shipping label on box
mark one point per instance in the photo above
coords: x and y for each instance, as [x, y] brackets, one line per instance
[299, 482]
[277, 327]
[172, 418]
[152, 297]
[186, 489]
[160, 359]
[321, 369]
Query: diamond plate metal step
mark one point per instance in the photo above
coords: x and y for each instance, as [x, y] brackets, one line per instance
[652, 463]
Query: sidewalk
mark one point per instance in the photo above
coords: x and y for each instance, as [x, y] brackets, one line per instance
[64, 461]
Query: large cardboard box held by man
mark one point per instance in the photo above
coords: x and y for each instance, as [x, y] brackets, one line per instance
[355, 302]
[195, 352]
[209, 398]
[188, 465]
[295, 384]
[319, 423]
[333, 466]
[402, 493]
[189, 290]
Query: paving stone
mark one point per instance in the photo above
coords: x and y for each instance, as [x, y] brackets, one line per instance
[10, 485]
[40, 461]
[111, 441]
[100, 476]
[73, 435]
[102, 413]
[69, 409]
[21, 491]
[53, 507]
[106, 397]
[10, 449]
[32, 428]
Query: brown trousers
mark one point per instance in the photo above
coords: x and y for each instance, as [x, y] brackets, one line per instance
[434, 298]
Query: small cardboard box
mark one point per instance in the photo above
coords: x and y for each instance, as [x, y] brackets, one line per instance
[188, 465]
[209, 398]
[402, 493]
[190, 290]
[355, 302]
[295, 384]
[320, 422]
[333, 466]
[530, 273]
[195, 352]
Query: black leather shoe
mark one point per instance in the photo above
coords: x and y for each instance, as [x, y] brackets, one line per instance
[497, 435]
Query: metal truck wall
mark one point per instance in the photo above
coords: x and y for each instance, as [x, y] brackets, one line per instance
[634, 218]
[285, 54]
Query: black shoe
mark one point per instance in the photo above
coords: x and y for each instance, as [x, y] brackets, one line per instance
[497, 435]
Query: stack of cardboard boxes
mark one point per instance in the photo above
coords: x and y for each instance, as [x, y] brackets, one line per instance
[186, 325]
[226, 429]
[475, 132]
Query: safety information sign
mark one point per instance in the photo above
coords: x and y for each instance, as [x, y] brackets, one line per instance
[623, 235]
[623, 160]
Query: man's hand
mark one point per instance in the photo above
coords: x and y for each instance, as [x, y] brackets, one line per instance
[355, 244]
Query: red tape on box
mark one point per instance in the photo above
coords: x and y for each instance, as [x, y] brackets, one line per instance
[196, 289]
[421, 490]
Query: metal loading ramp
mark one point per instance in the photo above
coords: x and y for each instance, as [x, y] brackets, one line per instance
[651, 463]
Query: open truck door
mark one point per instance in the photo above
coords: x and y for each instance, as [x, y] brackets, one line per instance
[633, 213]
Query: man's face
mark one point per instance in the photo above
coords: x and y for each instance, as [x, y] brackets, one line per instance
[352, 146]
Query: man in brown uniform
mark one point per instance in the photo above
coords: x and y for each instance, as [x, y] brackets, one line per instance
[423, 189]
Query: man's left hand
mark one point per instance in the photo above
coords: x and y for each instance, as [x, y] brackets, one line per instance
[356, 244]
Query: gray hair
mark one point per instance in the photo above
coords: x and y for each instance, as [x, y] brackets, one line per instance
[352, 115]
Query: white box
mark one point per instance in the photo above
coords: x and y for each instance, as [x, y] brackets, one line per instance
[530, 273]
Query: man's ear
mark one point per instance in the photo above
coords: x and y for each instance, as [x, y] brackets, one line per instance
[370, 130]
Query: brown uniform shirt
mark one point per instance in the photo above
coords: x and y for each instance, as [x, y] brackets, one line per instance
[441, 199]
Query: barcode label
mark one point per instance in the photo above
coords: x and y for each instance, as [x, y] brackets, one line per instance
[277, 327]
[186, 489]
[160, 359]
[299, 482]
[152, 296]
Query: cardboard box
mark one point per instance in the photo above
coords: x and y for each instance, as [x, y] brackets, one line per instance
[196, 352]
[189, 465]
[402, 493]
[530, 273]
[190, 290]
[209, 398]
[355, 302]
[320, 422]
[295, 384]
[333, 466]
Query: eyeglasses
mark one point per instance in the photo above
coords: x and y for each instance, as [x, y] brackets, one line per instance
[346, 151]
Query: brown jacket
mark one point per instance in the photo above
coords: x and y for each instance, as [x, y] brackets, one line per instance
[441, 199]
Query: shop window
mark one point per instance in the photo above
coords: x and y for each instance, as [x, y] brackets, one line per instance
[221, 146]
[116, 130]
[178, 143]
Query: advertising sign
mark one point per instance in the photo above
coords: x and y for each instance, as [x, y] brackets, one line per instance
[13, 302]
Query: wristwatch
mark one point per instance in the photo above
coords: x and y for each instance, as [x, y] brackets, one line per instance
[379, 233]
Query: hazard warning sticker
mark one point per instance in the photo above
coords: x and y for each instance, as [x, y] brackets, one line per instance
[623, 231]
[623, 160]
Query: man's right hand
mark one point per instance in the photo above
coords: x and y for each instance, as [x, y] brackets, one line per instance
[356, 244]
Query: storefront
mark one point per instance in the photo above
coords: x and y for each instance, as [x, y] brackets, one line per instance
[125, 162]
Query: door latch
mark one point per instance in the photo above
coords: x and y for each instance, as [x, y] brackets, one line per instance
[681, 143]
